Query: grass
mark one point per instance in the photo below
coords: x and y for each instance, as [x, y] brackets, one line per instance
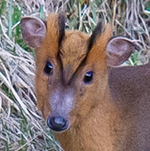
[22, 127]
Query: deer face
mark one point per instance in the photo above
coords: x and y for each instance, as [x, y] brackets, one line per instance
[71, 68]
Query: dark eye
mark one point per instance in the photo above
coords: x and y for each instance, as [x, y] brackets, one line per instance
[88, 77]
[48, 68]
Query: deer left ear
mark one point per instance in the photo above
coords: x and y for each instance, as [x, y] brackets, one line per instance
[33, 31]
[118, 50]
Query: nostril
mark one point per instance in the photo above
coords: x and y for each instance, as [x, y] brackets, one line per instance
[57, 123]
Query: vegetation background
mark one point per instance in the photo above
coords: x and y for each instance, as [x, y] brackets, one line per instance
[22, 127]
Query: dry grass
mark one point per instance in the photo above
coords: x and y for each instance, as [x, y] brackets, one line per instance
[21, 124]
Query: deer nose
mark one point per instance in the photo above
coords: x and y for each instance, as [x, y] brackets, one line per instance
[57, 123]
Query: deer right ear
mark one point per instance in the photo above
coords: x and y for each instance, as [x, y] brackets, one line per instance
[118, 50]
[33, 31]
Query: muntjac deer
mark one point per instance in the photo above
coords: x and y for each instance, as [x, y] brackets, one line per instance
[90, 105]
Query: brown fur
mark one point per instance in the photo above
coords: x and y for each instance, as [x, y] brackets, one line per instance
[86, 129]
[99, 113]
[130, 88]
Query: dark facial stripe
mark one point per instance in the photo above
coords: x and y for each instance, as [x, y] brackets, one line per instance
[61, 22]
[97, 32]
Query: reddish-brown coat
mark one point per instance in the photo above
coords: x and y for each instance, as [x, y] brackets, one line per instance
[99, 113]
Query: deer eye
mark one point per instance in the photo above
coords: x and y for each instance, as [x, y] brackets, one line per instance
[48, 68]
[88, 77]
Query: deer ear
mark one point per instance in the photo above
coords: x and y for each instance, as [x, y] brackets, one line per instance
[33, 31]
[118, 50]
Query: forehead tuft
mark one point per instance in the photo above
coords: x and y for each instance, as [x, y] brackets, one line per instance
[72, 52]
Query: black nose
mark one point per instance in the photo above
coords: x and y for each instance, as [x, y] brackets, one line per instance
[57, 123]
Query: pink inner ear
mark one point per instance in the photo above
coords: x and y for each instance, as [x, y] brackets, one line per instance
[33, 31]
[118, 50]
